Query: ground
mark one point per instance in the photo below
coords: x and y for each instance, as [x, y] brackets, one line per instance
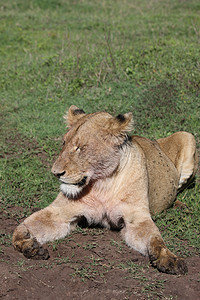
[92, 263]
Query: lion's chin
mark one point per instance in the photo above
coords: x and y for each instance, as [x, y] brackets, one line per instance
[70, 190]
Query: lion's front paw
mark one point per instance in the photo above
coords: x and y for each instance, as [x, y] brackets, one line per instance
[170, 263]
[23, 242]
[35, 251]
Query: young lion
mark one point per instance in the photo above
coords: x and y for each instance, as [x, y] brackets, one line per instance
[115, 180]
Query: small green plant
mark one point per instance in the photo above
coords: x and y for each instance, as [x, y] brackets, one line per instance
[5, 239]
[20, 263]
[62, 260]
[89, 246]
[118, 245]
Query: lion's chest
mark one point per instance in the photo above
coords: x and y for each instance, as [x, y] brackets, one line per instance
[105, 208]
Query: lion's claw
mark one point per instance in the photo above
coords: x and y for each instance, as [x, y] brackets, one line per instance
[36, 252]
[29, 246]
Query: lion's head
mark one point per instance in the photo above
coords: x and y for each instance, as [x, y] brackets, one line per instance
[91, 148]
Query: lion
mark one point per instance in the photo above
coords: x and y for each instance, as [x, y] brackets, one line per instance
[115, 180]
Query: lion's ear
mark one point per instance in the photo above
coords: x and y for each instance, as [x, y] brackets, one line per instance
[120, 124]
[74, 114]
[125, 122]
[118, 127]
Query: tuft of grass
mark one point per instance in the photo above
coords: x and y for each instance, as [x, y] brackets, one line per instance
[5, 239]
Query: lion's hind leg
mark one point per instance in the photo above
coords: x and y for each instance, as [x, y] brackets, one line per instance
[180, 147]
[187, 161]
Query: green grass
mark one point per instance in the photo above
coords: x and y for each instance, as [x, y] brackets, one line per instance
[119, 56]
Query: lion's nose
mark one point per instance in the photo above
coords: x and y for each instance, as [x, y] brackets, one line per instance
[57, 174]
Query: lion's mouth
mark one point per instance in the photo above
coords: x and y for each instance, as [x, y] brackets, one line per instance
[72, 190]
[80, 183]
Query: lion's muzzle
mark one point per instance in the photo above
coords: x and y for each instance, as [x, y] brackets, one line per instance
[58, 174]
[69, 186]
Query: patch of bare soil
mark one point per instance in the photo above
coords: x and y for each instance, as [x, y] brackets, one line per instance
[90, 264]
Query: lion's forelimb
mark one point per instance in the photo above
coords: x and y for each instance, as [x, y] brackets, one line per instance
[138, 234]
[145, 237]
[53, 222]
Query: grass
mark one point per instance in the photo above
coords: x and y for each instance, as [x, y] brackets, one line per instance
[139, 56]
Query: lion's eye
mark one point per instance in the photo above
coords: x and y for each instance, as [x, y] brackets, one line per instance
[63, 143]
[77, 149]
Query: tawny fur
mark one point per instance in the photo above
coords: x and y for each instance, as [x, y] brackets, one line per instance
[114, 180]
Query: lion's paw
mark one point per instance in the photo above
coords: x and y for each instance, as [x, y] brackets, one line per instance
[35, 251]
[23, 242]
[170, 264]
